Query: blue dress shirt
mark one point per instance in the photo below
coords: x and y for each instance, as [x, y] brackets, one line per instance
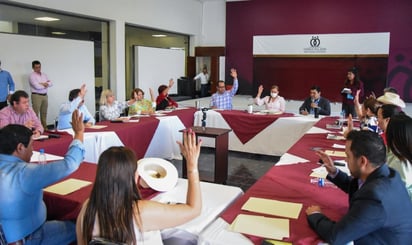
[22, 210]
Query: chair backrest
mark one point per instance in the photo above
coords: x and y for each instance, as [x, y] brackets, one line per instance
[103, 241]
[2, 237]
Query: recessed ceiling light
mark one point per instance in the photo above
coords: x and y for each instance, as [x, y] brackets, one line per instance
[159, 35]
[45, 18]
[58, 33]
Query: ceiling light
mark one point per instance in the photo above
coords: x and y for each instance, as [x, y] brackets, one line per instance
[177, 48]
[159, 35]
[45, 18]
[58, 33]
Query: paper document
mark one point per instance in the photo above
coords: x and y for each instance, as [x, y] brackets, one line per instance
[97, 126]
[335, 153]
[49, 157]
[67, 186]
[338, 146]
[273, 207]
[261, 226]
[319, 172]
[334, 137]
[41, 137]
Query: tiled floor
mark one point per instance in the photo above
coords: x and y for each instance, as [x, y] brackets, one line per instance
[244, 168]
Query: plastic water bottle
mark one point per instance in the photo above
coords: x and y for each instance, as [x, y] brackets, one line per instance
[321, 182]
[342, 118]
[42, 157]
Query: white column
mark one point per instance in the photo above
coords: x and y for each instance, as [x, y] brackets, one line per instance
[117, 59]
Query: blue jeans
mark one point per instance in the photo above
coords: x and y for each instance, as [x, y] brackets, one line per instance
[53, 232]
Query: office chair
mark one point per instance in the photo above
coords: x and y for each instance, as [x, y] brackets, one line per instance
[103, 241]
[2, 237]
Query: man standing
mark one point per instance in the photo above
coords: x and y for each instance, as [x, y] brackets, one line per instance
[222, 99]
[204, 82]
[39, 84]
[22, 210]
[19, 112]
[315, 101]
[6, 87]
[380, 211]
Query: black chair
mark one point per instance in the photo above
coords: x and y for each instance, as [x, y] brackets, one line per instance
[2, 237]
[103, 241]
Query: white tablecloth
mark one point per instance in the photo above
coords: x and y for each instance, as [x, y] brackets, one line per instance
[163, 143]
[215, 199]
[274, 140]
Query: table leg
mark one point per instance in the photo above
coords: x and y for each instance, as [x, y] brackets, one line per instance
[221, 158]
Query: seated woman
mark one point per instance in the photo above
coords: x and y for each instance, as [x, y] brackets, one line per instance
[115, 210]
[369, 110]
[109, 107]
[163, 100]
[399, 145]
[274, 102]
[141, 104]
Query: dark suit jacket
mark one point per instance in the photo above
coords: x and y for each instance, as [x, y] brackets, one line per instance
[323, 104]
[380, 212]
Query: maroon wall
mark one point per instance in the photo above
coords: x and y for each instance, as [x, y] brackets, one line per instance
[295, 76]
[267, 17]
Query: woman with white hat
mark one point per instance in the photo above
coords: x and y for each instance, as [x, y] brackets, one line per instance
[115, 210]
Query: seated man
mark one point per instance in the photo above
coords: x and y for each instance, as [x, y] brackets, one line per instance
[315, 101]
[22, 210]
[222, 99]
[76, 101]
[380, 211]
[19, 112]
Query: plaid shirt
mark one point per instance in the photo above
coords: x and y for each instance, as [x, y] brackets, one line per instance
[224, 101]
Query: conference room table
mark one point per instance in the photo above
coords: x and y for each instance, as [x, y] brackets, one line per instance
[148, 135]
[215, 199]
[289, 182]
[258, 132]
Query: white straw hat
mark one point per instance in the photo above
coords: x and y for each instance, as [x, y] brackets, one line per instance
[392, 99]
[157, 173]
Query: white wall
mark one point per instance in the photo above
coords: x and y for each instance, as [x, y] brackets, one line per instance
[213, 24]
[67, 63]
[204, 21]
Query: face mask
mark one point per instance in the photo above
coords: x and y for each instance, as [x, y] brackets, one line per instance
[274, 95]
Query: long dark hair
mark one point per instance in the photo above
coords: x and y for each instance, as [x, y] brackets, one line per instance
[114, 197]
[399, 137]
[356, 81]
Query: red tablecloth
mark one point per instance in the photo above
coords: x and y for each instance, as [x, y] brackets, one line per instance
[292, 183]
[246, 125]
[67, 207]
[135, 135]
[56, 146]
[187, 116]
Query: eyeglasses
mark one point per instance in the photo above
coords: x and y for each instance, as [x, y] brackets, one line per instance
[220, 87]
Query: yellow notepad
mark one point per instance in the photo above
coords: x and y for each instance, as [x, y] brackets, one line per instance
[260, 226]
[273, 207]
[335, 153]
[67, 186]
